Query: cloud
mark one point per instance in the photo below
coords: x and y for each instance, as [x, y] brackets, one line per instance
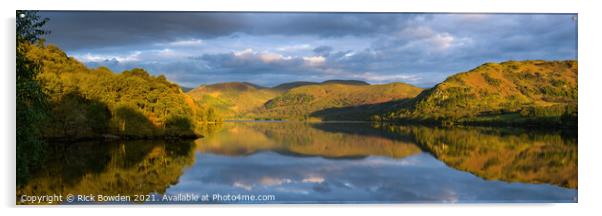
[443, 41]
[294, 47]
[323, 50]
[371, 179]
[114, 28]
[89, 57]
[81, 29]
[314, 60]
[186, 43]
[194, 48]
[378, 78]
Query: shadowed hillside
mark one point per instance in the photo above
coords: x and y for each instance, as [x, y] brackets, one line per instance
[291, 85]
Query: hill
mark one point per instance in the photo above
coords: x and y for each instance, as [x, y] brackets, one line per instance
[513, 92]
[186, 89]
[300, 102]
[291, 85]
[347, 82]
[232, 99]
[87, 103]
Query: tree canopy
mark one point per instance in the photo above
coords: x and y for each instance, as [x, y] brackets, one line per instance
[31, 99]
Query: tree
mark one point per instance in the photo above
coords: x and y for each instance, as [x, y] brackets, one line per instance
[31, 100]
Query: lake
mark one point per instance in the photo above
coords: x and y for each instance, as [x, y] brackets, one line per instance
[286, 162]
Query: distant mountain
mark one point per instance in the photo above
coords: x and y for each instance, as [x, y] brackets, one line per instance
[232, 99]
[348, 82]
[299, 103]
[234, 86]
[290, 85]
[513, 91]
[186, 89]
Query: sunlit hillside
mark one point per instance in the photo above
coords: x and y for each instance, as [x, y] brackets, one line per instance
[85, 102]
[233, 99]
[301, 102]
[541, 90]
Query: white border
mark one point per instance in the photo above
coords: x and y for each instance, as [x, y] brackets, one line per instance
[589, 101]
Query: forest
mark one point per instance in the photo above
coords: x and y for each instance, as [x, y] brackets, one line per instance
[89, 103]
[60, 99]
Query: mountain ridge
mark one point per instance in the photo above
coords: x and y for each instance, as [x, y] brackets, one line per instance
[294, 84]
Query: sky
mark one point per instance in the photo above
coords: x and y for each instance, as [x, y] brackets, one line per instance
[194, 48]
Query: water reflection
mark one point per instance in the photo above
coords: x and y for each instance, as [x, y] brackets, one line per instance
[383, 164]
[512, 155]
[325, 163]
[299, 139]
[111, 168]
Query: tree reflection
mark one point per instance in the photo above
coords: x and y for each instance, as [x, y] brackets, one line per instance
[151, 166]
[511, 155]
[111, 168]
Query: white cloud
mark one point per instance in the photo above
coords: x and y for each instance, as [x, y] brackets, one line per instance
[186, 43]
[272, 57]
[244, 53]
[380, 78]
[265, 57]
[294, 47]
[442, 41]
[89, 57]
[314, 60]
[349, 54]
[313, 179]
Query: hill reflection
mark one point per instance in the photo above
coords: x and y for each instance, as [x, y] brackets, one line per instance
[330, 162]
[111, 168]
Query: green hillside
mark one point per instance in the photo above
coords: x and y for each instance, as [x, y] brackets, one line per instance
[242, 100]
[87, 103]
[301, 102]
[290, 85]
[513, 92]
[233, 99]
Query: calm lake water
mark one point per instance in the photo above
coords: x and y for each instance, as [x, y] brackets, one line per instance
[280, 162]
